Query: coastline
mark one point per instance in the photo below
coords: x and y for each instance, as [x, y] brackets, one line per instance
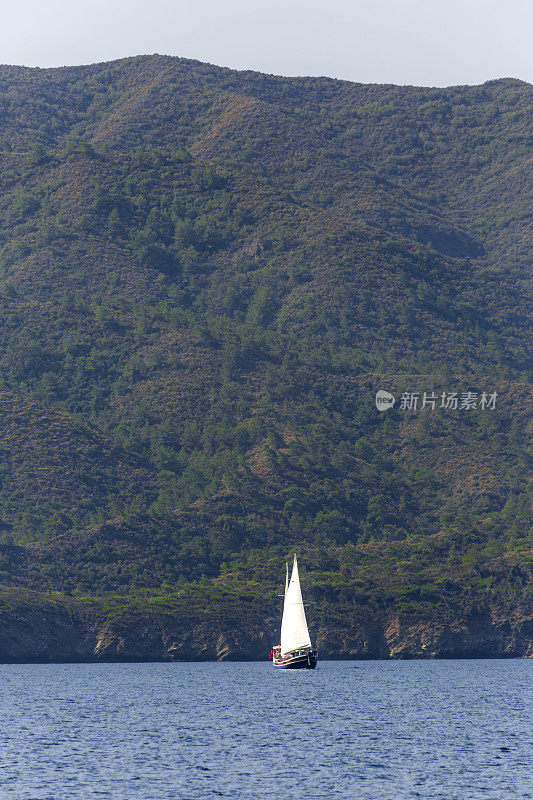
[37, 628]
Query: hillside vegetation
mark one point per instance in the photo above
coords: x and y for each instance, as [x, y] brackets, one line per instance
[205, 277]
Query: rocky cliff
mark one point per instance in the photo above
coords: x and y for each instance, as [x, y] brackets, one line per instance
[37, 629]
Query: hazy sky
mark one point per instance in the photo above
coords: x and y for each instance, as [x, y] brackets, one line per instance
[424, 42]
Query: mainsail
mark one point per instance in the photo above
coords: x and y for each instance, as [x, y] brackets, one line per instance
[294, 633]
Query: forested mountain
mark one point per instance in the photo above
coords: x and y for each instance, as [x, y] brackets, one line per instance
[205, 277]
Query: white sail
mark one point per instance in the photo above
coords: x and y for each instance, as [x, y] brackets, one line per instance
[294, 633]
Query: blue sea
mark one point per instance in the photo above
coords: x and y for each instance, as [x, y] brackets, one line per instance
[371, 730]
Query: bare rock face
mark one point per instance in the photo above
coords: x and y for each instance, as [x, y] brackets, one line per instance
[480, 636]
[37, 628]
[33, 629]
[115, 643]
[357, 641]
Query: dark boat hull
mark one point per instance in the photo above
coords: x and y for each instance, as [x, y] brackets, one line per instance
[306, 661]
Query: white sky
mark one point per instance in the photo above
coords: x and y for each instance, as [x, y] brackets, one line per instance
[422, 42]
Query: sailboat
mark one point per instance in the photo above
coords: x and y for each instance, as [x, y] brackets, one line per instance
[295, 650]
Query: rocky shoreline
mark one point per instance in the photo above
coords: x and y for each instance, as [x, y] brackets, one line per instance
[37, 629]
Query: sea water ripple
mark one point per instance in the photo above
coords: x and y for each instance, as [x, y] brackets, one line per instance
[445, 730]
